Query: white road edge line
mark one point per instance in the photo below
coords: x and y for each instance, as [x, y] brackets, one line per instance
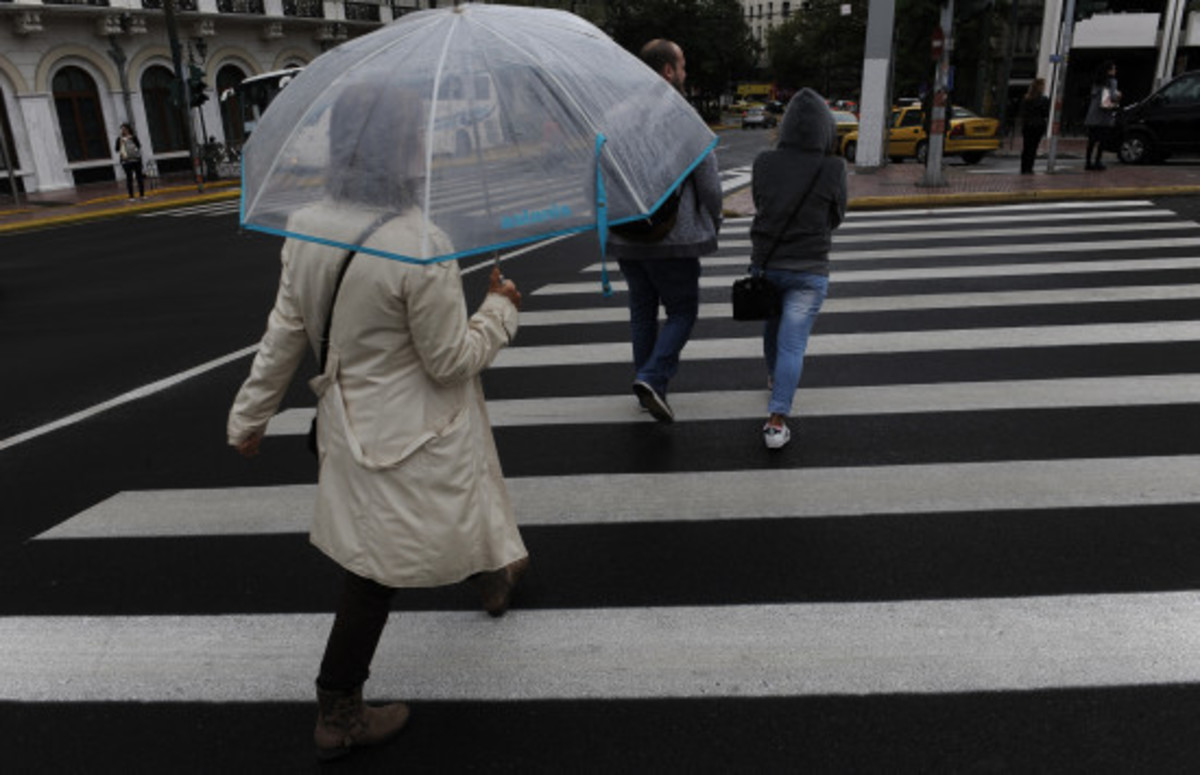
[125, 398]
[168, 382]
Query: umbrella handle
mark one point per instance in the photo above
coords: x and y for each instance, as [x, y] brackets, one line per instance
[602, 218]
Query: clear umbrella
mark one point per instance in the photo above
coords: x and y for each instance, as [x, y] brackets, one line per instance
[503, 125]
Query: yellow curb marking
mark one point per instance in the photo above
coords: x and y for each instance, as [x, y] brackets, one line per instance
[59, 220]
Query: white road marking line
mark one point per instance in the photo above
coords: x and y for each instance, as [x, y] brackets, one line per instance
[783, 650]
[875, 342]
[1152, 390]
[581, 499]
[837, 305]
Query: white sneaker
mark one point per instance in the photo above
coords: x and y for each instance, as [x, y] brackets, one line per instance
[776, 438]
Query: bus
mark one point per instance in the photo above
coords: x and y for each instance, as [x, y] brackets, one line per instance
[255, 93]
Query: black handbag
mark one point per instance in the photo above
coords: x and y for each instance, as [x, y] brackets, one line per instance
[337, 286]
[754, 296]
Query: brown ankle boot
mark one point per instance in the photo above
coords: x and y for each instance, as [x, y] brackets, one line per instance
[345, 723]
[496, 587]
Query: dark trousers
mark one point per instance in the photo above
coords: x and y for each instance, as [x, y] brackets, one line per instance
[133, 168]
[361, 615]
[1097, 137]
[1032, 136]
[674, 283]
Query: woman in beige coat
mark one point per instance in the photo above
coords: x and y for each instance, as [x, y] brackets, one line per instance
[410, 488]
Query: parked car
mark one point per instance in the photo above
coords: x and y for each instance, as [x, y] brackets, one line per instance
[971, 137]
[740, 107]
[758, 118]
[1165, 123]
[847, 122]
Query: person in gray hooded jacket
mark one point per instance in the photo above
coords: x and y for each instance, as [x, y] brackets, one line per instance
[799, 191]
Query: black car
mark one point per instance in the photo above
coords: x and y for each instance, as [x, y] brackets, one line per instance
[1165, 123]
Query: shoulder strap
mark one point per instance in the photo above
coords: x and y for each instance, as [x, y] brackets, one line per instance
[337, 287]
[799, 203]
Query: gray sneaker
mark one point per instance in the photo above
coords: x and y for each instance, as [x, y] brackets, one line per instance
[654, 403]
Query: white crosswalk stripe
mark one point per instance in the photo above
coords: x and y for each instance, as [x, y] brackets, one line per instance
[1065, 638]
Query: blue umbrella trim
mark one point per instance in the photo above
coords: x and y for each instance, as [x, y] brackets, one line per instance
[601, 225]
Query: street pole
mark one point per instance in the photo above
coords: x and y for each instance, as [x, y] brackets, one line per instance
[937, 125]
[875, 94]
[177, 60]
[117, 54]
[1059, 85]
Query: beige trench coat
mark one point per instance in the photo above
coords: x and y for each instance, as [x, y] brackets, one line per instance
[411, 492]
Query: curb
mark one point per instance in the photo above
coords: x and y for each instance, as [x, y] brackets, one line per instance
[987, 197]
[113, 212]
[1017, 197]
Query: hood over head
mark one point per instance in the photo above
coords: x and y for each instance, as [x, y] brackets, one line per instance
[808, 124]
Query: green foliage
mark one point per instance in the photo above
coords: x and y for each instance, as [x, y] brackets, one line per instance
[915, 20]
[714, 36]
[820, 48]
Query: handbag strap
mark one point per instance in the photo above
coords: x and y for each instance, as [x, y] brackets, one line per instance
[799, 203]
[337, 287]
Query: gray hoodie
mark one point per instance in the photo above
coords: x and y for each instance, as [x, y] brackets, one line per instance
[781, 176]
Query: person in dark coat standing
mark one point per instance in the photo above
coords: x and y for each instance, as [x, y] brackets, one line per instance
[1101, 116]
[129, 148]
[792, 236]
[1035, 113]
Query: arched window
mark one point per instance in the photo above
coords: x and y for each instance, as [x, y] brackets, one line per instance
[163, 120]
[228, 77]
[79, 115]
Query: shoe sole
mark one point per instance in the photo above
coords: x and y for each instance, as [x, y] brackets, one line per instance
[653, 402]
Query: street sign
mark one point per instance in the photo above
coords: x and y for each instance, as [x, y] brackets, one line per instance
[938, 43]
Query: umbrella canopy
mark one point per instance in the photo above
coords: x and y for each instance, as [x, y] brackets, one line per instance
[502, 124]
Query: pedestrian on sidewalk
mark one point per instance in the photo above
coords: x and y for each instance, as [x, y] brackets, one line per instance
[665, 269]
[800, 192]
[1035, 113]
[129, 148]
[410, 492]
[1101, 119]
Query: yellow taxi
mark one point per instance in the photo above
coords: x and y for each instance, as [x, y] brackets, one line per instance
[847, 122]
[971, 137]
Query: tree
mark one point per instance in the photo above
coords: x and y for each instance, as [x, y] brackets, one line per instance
[821, 48]
[714, 35]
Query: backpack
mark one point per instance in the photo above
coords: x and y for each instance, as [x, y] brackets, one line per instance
[656, 226]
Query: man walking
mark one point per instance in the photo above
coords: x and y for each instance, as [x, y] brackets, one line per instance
[666, 271]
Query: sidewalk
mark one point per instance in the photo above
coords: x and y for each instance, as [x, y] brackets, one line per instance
[898, 185]
[894, 185]
[103, 200]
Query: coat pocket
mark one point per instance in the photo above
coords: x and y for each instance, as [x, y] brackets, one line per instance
[336, 433]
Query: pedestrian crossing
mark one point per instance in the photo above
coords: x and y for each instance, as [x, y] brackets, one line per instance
[991, 489]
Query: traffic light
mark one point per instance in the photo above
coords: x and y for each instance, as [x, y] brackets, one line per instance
[197, 86]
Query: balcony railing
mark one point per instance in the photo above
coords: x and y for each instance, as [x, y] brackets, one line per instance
[362, 12]
[306, 9]
[180, 5]
[241, 6]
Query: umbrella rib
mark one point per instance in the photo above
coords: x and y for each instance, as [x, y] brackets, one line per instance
[316, 101]
[549, 75]
[429, 132]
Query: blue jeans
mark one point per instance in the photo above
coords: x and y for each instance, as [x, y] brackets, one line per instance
[785, 338]
[675, 283]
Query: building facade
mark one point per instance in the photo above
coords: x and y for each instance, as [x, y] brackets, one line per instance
[72, 71]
